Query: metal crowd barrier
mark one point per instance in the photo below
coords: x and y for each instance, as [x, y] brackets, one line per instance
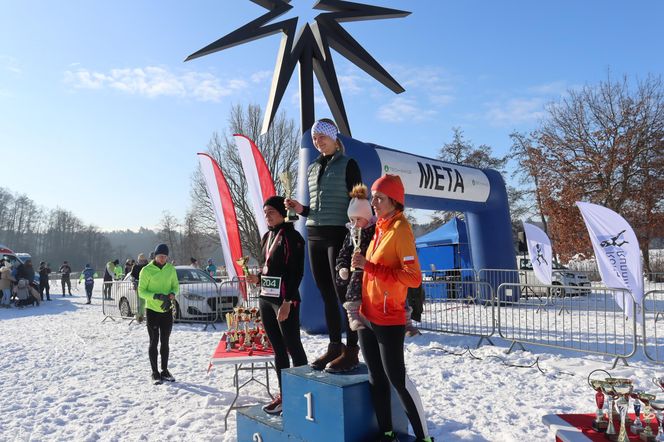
[119, 300]
[198, 302]
[459, 307]
[591, 323]
[653, 326]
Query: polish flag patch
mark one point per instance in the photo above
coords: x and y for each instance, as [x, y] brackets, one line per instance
[408, 259]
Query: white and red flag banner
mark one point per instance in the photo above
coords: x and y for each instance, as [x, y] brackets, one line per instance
[260, 185]
[539, 249]
[224, 213]
[617, 252]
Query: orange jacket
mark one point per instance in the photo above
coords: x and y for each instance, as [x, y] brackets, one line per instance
[392, 267]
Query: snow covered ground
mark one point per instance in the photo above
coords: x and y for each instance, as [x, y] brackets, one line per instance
[65, 375]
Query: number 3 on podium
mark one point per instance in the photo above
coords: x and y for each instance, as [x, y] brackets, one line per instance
[310, 407]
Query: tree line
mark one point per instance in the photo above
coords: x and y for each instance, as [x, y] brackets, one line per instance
[50, 235]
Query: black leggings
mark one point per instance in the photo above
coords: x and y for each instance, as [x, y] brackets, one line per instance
[322, 258]
[284, 336]
[382, 348]
[159, 327]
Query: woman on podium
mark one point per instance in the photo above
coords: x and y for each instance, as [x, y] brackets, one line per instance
[282, 263]
[390, 268]
[330, 178]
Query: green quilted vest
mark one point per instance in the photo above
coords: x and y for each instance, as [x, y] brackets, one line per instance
[331, 194]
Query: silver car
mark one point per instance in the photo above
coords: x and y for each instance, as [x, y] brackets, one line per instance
[201, 298]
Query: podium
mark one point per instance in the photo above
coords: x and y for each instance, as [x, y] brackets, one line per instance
[320, 407]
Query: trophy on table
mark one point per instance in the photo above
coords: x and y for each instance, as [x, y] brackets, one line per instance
[646, 434]
[356, 237]
[607, 388]
[658, 406]
[599, 424]
[638, 426]
[287, 183]
[623, 388]
[659, 382]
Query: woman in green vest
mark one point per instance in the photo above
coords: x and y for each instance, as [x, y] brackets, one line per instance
[330, 177]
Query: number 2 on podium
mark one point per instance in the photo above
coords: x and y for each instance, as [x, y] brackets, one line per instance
[310, 407]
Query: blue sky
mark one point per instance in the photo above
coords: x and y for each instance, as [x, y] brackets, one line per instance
[100, 115]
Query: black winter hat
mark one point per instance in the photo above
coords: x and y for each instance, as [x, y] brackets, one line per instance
[161, 249]
[277, 202]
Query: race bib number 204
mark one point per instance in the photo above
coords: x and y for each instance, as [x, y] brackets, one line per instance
[271, 286]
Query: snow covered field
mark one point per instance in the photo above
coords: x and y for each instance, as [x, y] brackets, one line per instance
[64, 375]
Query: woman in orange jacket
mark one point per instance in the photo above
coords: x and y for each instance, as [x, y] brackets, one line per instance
[390, 268]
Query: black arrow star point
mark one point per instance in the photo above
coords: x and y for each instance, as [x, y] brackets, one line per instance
[311, 49]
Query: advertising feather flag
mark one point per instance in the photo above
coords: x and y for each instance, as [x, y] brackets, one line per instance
[260, 185]
[224, 213]
[539, 249]
[617, 252]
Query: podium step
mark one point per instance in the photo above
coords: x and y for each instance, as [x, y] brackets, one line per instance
[321, 407]
[253, 424]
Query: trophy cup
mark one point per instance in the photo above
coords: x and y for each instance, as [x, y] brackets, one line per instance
[287, 183]
[252, 289]
[658, 406]
[638, 426]
[356, 237]
[659, 382]
[599, 424]
[607, 388]
[623, 388]
[646, 435]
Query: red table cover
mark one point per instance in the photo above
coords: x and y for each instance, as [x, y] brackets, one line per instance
[584, 423]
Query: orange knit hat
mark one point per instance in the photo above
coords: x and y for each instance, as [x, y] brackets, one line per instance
[391, 186]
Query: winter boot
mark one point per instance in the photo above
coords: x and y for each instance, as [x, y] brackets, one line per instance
[411, 329]
[355, 319]
[334, 350]
[346, 362]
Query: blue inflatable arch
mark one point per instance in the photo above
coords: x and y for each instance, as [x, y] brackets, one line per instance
[429, 184]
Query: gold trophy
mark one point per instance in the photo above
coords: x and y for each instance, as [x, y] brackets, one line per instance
[252, 289]
[287, 183]
[356, 237]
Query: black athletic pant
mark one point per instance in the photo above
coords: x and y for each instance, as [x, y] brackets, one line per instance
[66, 281]
[44, 285]
[88, 289]
[284, 336]
[107, 289]
[159, 327]
[382, 348]
[322, 258]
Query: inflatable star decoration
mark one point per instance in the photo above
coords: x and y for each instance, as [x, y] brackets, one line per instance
[311, 49]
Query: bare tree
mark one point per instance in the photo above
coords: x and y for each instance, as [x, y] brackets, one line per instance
[279, 146]
[169, 232]
[462, 151]
[528, 159]
[604, 144]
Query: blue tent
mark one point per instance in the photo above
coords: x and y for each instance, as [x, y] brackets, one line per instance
[445, 248]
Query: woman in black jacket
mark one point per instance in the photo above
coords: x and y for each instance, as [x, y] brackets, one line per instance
[282, 263]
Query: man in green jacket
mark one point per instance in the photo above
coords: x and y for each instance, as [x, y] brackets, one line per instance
[158, 286]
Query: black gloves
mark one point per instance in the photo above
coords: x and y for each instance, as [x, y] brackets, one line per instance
[165, 300]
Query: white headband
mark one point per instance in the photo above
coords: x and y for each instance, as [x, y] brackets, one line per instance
[325, 128]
